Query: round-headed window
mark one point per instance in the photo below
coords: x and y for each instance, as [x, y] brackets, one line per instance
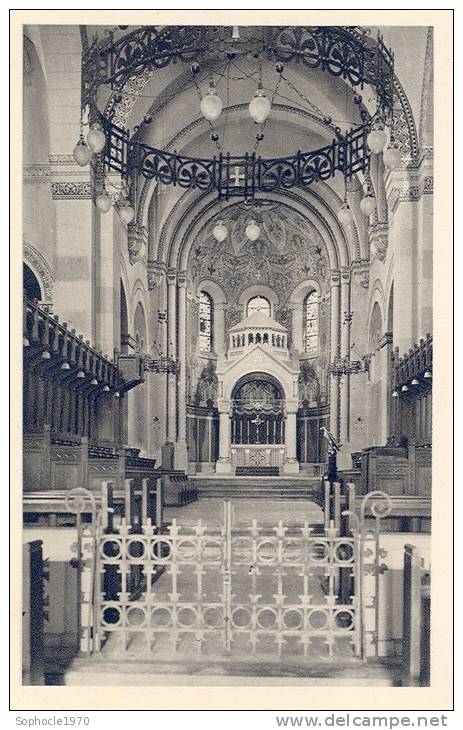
[258, 304]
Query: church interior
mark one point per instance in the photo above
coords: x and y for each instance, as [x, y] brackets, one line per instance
[227, 353]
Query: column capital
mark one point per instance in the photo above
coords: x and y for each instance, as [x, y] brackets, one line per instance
[181, 279]
[335, 277]
[137, 238]
[345, 275]
[378, 239]
[171, 277]
[360, 271]
[223, 406]
[156, 270]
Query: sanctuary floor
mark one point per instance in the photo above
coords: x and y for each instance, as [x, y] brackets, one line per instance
[265, 511]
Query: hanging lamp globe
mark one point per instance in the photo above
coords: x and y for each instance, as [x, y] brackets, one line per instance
[103, 201]
[126, 212]
[252, 231]
[259, 106]
[345, 214]
[392, 156]
[81, 152]
[220, 231]
[368, 204]
[211, 105]
[377, 137]
[96, 138]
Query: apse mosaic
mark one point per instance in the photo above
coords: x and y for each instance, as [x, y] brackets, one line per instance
[289, 250]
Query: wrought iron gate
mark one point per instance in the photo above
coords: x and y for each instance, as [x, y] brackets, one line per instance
[231, 589]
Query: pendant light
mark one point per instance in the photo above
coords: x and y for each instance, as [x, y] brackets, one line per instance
[106, 389]
[392, 156]
[126, 211]
[252, 231]
[94, 381]
[259, 106]
[96, 138]
[345, 214]
[65, 366]
[404, 388]
[377, 136]
[427, 375]
[117, 394]
[80, 375]
[368, 204]
[103, 201]
[211, 104]
[415, 381]
[220, 231]
[395, 394]
[81, 152]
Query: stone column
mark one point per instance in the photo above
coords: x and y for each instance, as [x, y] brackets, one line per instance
[172, 352]
[297, 326]
[334, 352]
[223, 464]
[219, 345]
[291, 464]
[182, 452]
[345, 352]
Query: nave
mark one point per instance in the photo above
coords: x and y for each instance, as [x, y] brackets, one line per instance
[227, 349]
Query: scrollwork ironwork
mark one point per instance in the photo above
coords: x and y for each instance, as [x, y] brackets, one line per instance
[235, 176]
[343, 52]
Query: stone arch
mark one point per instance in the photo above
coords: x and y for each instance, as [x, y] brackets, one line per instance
[248, 377]
[138, 296]
[123, 316]
[31, 285]
[189, 216]
[139, 400]
[375, 325]
[213, 289]
[41, 270]
[376, 295]
[140, 328]
[265, 372]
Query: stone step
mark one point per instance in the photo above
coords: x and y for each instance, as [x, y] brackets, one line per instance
[255, 493]
[258, 487]
[139, 672]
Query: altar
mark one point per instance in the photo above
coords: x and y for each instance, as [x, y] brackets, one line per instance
[258, 455]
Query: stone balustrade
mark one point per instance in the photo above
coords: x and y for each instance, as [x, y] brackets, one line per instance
[249, 339]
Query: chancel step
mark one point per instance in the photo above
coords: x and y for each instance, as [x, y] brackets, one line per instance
[257, 471]
[264, 487]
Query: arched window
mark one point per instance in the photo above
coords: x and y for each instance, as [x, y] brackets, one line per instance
[258, 304]
[311, 322]
[206, 315]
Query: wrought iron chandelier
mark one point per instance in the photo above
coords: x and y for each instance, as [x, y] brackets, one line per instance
[344, 52]
[343, 366]
[162, 365]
